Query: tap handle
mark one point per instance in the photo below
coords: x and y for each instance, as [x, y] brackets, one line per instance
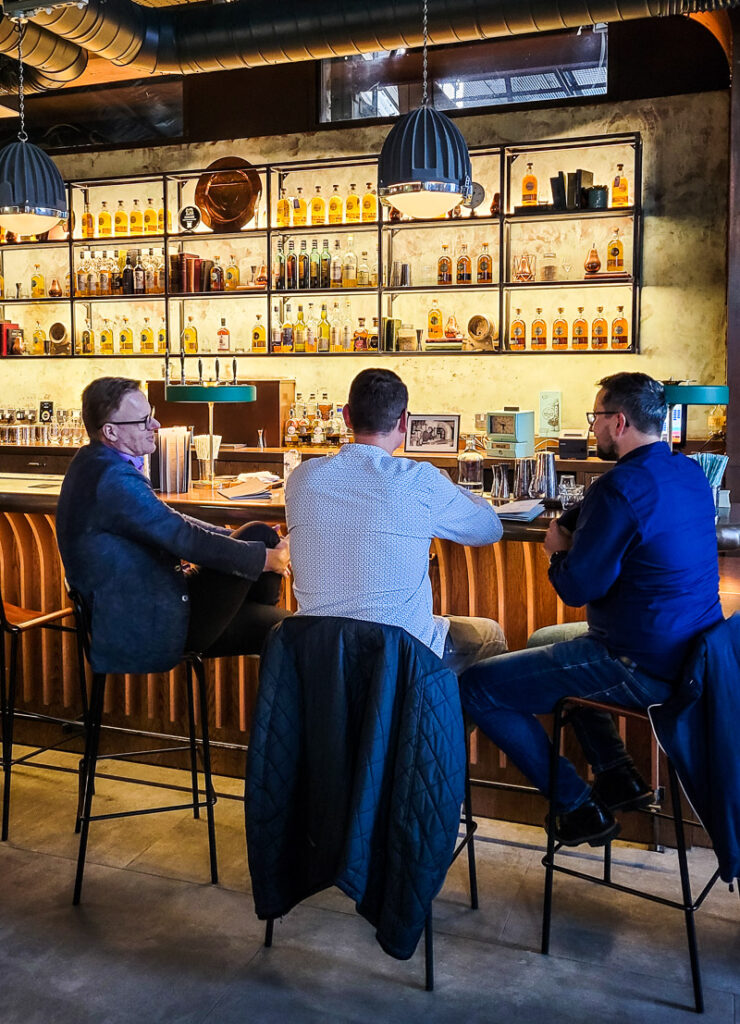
[216, 367]
[200, 371]
[233, 371]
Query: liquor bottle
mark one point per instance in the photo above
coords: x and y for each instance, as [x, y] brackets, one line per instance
[598, 330]
[517, 333]
[336, 266]
[259, 335]
[276, 331]
[314, 266]
[104, 222]
[325, 266]
[231, 279]
[372, 338]
[335, 332]
[223, 343]
[336, 206]
[146, 339]
[352, 206]
[374, 274]
[299, 332]
[216, 276]
[538, 336]
[139, 276]
[150, 218]
[162, 336]
[88, 221]
[484, 269]
[300, 210]
[324, 332]
[38, 284]
[81, 275]
[444, 267]
[325, 407]
[93, 269]
[38, 339]
[363, 272]
[120, 220]
[318, 208]
[290, 438]
[349, 266]
[286, 343]
[105, 275]
[369, 203]
[190, 338]
[55, 289]
[311, 330]
[304, 267]
[119, 263]
[291, 268]
[160, 220]
[278, 268]
[2, 286]
[435, 331]
[463, 273]
[593, 263]
[136, 220]
[615, 254]
[348, 327]
[620, 188]
[360, 336]
[452, 329]
[303, 426]
[529, 188]
[311, 413]
[620, 331]
[261, 278]
[151, 273]
[580, 332]
[283, 210]
[559, 332]
[126, 339]
[107, 346]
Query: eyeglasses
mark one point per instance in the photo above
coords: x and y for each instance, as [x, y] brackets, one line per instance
[144, 424]
[591, 416]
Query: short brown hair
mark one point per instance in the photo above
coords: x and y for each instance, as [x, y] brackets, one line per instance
[376, 400]
[101, 398]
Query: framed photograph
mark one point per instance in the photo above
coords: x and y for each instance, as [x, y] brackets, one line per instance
[432, 434]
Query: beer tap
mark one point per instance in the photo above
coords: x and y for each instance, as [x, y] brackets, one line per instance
[233, 371]
[200, 372]
[167, 367]
[182, 366]
[216, 369]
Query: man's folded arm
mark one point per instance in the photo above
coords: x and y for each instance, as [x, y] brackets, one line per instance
[460, 516]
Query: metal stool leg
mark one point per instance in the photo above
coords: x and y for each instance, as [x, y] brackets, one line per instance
[90, 762]
[429, 952]
[268, 931]
[557, 730]
[210, 795]
[688, 903]
[193, 746]
[470, 834]
[8, 722]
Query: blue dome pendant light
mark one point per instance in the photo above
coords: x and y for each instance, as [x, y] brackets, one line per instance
[33, 198]
[424, 166]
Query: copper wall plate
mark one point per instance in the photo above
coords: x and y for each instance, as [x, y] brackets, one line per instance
[227, 194]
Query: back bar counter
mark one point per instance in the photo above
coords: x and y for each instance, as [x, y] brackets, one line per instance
[506, 581]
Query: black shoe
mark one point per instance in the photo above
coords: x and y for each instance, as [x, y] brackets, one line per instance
[590, 823]
[623, 789]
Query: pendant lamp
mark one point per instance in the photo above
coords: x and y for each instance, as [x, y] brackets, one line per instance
[33, 198]
[424, 166]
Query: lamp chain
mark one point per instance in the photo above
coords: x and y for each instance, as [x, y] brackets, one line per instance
[424, 96]
[22, 135]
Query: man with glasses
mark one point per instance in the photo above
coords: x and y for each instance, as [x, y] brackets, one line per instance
[132, 558]
[641, 553]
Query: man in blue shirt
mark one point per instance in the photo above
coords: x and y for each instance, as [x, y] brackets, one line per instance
[641, 554]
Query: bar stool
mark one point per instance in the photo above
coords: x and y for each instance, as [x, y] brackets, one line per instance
[194, 667]
[688, 904]
[16, 622]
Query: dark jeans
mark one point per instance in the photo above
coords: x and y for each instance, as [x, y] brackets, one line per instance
[229, 615]
[503, 695]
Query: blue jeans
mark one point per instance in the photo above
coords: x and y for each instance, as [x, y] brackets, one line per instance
[502, 695]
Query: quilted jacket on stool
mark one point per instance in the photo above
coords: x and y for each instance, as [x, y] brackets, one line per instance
[355, 773]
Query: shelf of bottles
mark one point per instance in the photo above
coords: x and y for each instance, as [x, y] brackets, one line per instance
[321, 267]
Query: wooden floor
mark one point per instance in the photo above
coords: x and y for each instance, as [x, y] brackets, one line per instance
[729, 582]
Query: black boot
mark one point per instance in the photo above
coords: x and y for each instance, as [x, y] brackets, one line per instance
[623, 789]
[591, 823]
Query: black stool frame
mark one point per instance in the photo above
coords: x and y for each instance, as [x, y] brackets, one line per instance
[88, 765]
[687, 904]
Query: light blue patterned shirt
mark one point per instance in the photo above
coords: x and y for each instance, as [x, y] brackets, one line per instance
[360, 525]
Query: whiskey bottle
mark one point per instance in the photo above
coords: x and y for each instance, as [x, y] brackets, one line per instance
[348, 327]
[151, 277]
[360, 336]
[104, 222]
[107, 346]
[216, 276]
[435, 330]
[126, 339]
[160, 220]
[559, 332]
[38, 339]
[369, 203]
[139, 276]
[444, 267]
[538, 333]
[150, 218]
[276, 331]
[81, 275]
[463, 274]
[318, 208]
[223, 337]
[304, 267]
[620, 188]
[93, 269]
[484, 270]
[363, 272]
[190, 338]
[517, 333]
[325, 266]
[529, 188]
[136, 220]
[291, 268]
[314, 266]
[580, 332]
[620, 331]
[352, 207]
[88, 222]
[162, 336]
[105, 276]
[146, 340]
[286, 342]
[259, 335]
[38, 284]
[231, 280]
[336, 266]
[120, 220]
[349, 266]
[615, 254]
[300, 210]
[372, 338]
[283, 210]
[324, 332]
[311, 328]
[299, 332]
[290, 437]
[336, 206]
[335, 330]
[598, 331]
[127, 277]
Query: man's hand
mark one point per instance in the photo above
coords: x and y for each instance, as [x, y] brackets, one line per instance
[277, 559]
[557, 539]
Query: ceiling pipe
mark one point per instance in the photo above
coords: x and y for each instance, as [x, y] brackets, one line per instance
[247, 34]
[49, 60]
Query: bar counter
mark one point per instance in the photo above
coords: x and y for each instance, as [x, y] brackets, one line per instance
[505, 581]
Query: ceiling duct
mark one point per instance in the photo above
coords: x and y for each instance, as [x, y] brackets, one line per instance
[244, 34]
[51, 61]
